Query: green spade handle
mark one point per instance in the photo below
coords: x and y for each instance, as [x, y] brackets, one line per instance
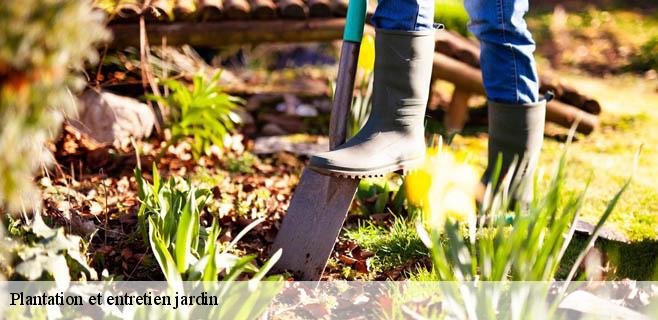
[356, 18]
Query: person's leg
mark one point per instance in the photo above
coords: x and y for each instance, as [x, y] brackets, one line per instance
[507, 47]
[393, 137]
[405, 15]
[516, 113]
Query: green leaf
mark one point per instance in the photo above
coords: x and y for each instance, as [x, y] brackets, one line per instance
[164, 258]
[156, 179]
[269, 264]
[185, 234]
[244, 232]
[40, 229]
[211, 270]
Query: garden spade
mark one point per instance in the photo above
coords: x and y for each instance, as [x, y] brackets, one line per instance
[320, 203]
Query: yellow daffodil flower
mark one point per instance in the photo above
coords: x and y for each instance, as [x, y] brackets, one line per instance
[367, 53]
[443, 187]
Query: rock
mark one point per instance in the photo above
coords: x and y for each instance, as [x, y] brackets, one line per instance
[272, 129]
[587, 228]
[298, 144]
[305, 110]
[246, 119]
[291, 105]
[289, 123]
[112, 119]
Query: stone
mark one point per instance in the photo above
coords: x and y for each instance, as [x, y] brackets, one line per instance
[298, 144]
[586, 228]
[112, 119]
[272, 129]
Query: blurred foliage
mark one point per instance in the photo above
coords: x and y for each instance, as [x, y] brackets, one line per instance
[241, 163]
[43, 47]
[362, 100]
[47, 254]
[452, 14]
[205, 112]
[379, 195]
[647, 57]
[442, 186]
[7, 245]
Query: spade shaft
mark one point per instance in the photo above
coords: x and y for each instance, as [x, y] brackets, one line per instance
[319, 206]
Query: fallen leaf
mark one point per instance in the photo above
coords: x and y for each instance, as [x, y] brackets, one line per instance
[347, 260]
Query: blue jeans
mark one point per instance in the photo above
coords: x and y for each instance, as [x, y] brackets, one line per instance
[508, 66]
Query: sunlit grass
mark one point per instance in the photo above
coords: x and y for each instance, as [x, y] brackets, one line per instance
[630, 119]
[393, 246]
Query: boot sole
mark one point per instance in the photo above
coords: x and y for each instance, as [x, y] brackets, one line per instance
[401, 168]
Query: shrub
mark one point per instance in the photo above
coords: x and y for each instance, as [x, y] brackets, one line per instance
[362, 100]
[204, 113]
[43, 47]
[452, 14]
[48, 254]
[647, 58]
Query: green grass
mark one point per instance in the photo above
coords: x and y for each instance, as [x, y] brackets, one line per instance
[626, 260]
[629, 121]
[393, 246]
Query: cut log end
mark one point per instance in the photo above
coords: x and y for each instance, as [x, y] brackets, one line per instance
[237, 9]
[319, 8]
[339, 7]
[210, 10]
[292, 9]
[566, 116]
[263, 9]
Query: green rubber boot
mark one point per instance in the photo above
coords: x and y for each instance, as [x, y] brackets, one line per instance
[516, 131]
[393, 137]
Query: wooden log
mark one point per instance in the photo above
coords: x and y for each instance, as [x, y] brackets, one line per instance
[592, 106]
[456, 46]
[566, 116]
[339, 7]
[222, 33]
[457, 114]
[128, 10]
[465, 77]
[211, 10]
[237, 9]
[263, 9]
[159, 10]
[184, 10]
[469, 79]
[568, 94]
[319, 8]
[547, 82]
[292, 9]
[571, 96]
